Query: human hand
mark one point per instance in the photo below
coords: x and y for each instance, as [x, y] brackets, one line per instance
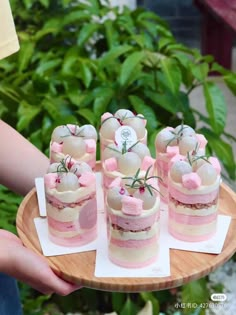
[30, 268]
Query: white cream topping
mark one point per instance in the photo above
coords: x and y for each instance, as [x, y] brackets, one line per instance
[66, 214]
[203, 189]
[71, 196]
[188, 211]
[115, 174]
[133, 255]
[193, 230]
[58, 156]
[144, 214]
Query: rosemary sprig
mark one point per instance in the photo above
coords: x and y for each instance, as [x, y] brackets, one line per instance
[141, 182]
[177, 136]
[124, 149]
[62, 168]
[193, 157]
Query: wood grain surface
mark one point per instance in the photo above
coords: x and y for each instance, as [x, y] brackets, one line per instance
[185, 266]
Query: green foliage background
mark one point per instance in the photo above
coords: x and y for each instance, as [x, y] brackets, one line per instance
[79, 59]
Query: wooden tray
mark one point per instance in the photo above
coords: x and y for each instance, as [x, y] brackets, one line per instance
[185, 266]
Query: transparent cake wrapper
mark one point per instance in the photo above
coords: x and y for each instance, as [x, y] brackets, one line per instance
[133, 241]
[73, 224]
[193, 217]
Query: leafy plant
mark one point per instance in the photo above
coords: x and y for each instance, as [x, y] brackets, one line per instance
[79, 59]
[9, 203]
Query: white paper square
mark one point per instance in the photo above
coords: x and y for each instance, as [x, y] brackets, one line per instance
[51, 249]
[212, 246]
[105, 268]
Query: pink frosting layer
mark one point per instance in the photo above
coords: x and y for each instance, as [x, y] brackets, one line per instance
[134, 223]
[187, 238]
[87, 219]
[63, 226]
[127, 264]
[134, 243]
[191, 219]
[79, 240]
[192, 198]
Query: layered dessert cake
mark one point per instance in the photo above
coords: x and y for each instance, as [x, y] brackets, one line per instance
[194, 184]
[174, 141]
[71, 205]
[120, 127]
[120, 161]
[78, 142]
[133, 213]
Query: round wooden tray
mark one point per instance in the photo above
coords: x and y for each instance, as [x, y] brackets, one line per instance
[185, 266]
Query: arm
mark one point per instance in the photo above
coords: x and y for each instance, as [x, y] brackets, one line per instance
[20, 161]
[28, 267]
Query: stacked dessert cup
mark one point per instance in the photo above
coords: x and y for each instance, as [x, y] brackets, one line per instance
[122, 126]
[170, 142]
[194, 184]
[189, 184]
[71, 205]
[123, 160]
[78, 142]
[133, 221]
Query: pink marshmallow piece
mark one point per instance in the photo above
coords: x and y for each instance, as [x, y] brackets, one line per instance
[191, 181]
[105, 116]
[90, 145]
[147, 162]
[201, 140]
[216, 164]
[116, 182]
[131, 206]
[172, 151]
[50, 180]
[110, 164]
[87, 179]
[56, 147]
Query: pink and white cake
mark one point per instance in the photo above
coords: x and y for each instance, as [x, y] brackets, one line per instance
[71, 204]
[133, 213]
[194, 184]
[173, 141]
[123, 125]
[78, 142]
[120, 161]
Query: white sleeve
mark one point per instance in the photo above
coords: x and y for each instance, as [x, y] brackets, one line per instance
[8, 37]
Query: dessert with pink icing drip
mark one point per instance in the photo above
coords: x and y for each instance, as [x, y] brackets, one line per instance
[173, 141]
[78, 142]
[133, 213]
[123, 120]
[70, 190]
[123, 160]
[194, 184]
